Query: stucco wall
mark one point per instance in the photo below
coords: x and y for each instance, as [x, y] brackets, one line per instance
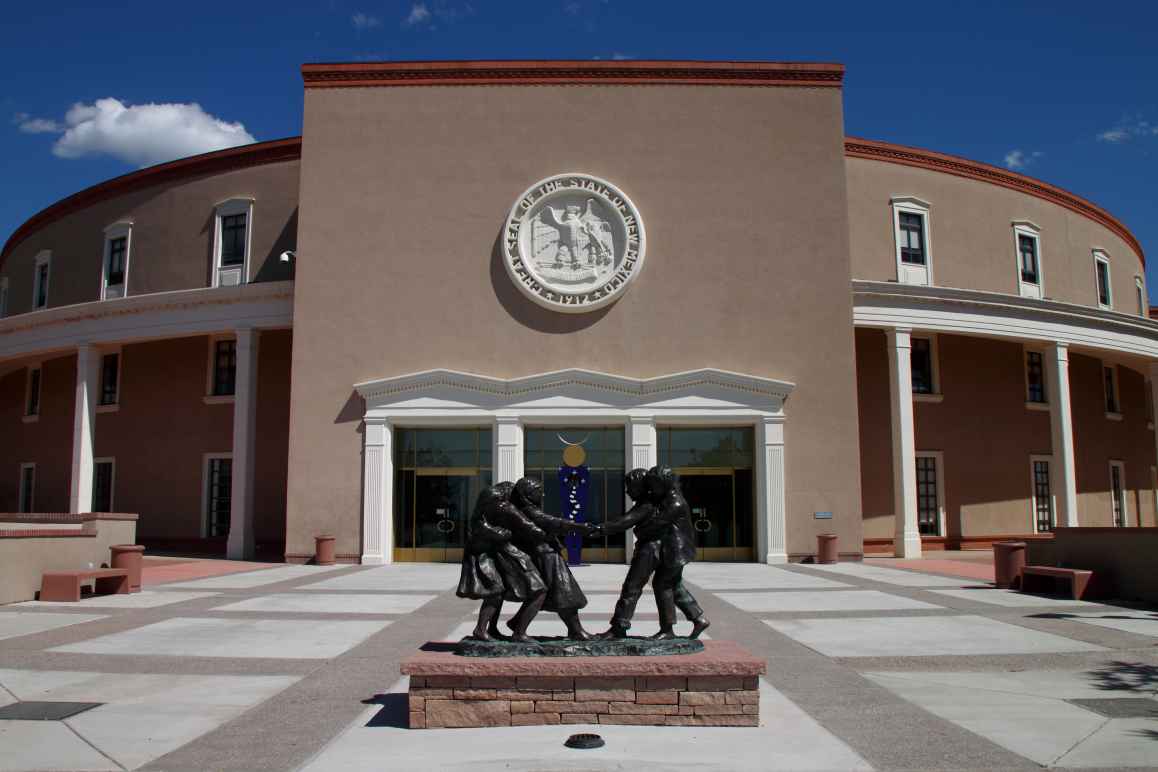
[404, 196]
[47, 442]
[971, 238]
[172, 238]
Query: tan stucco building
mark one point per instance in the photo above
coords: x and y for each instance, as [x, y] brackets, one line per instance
[461, 270]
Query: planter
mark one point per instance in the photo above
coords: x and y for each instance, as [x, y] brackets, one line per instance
[826, 548]
[1008, 560]
[128, 557]
[324, 550]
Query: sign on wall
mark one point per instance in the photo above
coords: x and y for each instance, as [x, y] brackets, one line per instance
[573, 242]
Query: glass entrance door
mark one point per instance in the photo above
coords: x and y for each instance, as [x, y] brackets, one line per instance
[442, 504]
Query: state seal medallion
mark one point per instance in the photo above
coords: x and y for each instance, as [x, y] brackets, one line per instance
[573, 242]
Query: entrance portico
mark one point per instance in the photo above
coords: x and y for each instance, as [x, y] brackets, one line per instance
[569, 398]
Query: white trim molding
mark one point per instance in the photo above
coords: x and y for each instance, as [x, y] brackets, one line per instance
[910, 273]
[119, 230]
[232, 275]
[569, 397]
[1028, 289]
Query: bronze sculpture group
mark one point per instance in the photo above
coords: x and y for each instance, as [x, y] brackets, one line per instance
[513, 553]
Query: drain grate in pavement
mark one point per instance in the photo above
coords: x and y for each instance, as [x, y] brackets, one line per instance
[44, 711]
[1120, 707]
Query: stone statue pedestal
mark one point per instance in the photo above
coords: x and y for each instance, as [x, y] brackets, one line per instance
[718, 686]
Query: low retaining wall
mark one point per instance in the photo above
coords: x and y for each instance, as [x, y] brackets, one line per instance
[716, 687]
[31, 544]
[1122, 559]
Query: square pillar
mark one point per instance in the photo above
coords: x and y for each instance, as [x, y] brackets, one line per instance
[240, 543]
[377, 493]
[771, 525]
[1062, 435]
[88, 363]
[508, 448]
[906, 536]
[642, 453]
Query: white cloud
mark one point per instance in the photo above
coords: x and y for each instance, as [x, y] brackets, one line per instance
[419, 14]
[572, 8]
[362, 21]
[1128, 129]
[138, 134]
[1020, 159]
[620, 57]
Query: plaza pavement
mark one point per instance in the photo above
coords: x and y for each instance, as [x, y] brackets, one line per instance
[870, 666]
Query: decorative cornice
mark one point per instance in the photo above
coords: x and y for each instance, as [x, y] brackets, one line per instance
[230, 159]
[576, 72]
[975, 170]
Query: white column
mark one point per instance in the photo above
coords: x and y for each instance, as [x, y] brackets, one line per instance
[88, 365]
[642, 453]
[377, 493]
[1062, 435]
[771, 524]
[906, 536]
[508, 442]
[240, 543]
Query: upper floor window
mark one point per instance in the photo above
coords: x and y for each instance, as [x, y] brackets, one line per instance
[40, 281]
[224, 367]
[232, 236]
[911, 226]
[3, 297]
[1102, 278]
[1035, 377]
[27, 488]
[32, 393]
[1027, 242]
[1139, 293]
[923, 364]
[110, 379]
[116, 261]
[1110, 383]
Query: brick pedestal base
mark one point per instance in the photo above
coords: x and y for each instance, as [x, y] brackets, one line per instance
[717, 687]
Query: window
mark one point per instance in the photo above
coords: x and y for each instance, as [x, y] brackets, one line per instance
[1043, 507]
[103, 474]
[110, 379]
[1027, 249]
[27, 488]
[1118, 493]
[930, 495]
[234, 221]
[3, 297]
[1035, 378]
[1110, 383]
[911, 226]
[224, 367]
[923, 363]
[1027, 243]
[40, 281]
[1102, 278]
[116, 262]
[218, 493]
[1139, 294]
[32, 394]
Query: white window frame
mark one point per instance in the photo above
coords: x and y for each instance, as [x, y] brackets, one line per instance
[44, 258]
[1033, 492]
[205, 459]
[935, 356]
[906, 273]
[3, 296]
[211, 366]
[23, 495]
[232, 275]
[1101, 257]
[939, 464]
[1121, 465]
[112, 481]
[25, 415]
[123, 229]
[1140, 289]
[115, 406]
[1030, 230]
[1025, 352]
[1112, 415]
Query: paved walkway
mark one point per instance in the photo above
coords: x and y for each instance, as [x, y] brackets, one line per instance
[870, 666]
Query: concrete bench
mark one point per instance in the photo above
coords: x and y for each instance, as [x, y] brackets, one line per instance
[1045, 578]
[65, 585]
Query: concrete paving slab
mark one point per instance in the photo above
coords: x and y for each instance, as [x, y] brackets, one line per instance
[143, 599]
[921, 636]
[144, 716]
[32, 745]
[826, 600]
[1048, 684]
[889, 575]
[1141, 622]
[788, 739]
[330, 603]
[397, 576]
[244, 638]
[754, 576]
[247, 579]
[16, 623]
[1121, 742]
[1013, 598]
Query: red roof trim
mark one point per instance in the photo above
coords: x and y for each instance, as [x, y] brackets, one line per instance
[575, 72]
[975, 170]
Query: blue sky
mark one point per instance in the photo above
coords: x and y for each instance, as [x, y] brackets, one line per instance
[1065, 91]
